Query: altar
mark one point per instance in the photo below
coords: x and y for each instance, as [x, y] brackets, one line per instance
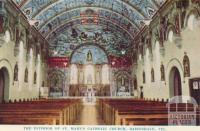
[89, 79]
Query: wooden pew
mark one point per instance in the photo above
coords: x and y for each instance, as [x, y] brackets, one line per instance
[60, 111]
[137, 112]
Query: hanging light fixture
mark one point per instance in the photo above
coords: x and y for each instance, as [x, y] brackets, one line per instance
[123, 52]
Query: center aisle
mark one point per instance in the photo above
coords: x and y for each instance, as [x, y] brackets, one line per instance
[89, 116]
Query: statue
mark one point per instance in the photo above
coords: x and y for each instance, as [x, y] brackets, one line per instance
[26, 75]
[177, 25]
[163, 29]
[89, 56]
[1, 24]
[144, 77]
[162, 72]
[35, 77]
[16, 72]
[186, 65]
[141, 92]
[152, 75]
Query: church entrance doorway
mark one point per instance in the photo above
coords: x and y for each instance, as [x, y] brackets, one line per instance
[175, 82]
[3, 83]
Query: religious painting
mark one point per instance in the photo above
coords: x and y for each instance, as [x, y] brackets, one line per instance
[89, 53]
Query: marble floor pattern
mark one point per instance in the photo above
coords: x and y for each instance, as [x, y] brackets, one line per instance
[89, 116]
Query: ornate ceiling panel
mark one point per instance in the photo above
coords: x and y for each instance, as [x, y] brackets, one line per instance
[65, 22]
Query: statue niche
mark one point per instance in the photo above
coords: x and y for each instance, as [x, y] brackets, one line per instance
[26, 75]
[162, 71]
[89, 56]
[143, 75]
[152, 75]
[186, 65]
[16, 72]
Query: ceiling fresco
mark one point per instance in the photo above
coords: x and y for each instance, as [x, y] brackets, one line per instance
[112, 40]
[98, 56]
[111, 24]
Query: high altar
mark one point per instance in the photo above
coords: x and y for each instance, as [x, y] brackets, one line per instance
[89, 79]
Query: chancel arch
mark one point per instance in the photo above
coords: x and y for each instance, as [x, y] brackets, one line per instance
[90, 69]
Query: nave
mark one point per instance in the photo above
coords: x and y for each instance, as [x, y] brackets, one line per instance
[89, 115]
[136, 57]
[106, 111]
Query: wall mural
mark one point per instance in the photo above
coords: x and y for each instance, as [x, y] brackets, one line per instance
[67, 41]
[111, 24]
[134, 10]
[80, 56]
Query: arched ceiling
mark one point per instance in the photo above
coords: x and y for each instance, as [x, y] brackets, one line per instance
[68, 23]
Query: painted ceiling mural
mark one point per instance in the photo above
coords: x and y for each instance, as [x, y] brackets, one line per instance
[98, 56]
[112, 40]
[112, 24]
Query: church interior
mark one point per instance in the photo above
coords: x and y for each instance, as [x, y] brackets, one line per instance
[99, 62]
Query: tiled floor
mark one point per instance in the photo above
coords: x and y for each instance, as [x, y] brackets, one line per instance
[89, 116]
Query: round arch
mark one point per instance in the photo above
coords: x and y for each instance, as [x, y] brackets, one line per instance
[7, 71]
[90, 44]
[175, 85]
[192, 11]
[173, 67]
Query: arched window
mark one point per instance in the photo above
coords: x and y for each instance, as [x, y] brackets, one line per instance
[98, 77]
[170, 36]
[30, 68]
[191, 22]
[16, 72]
[73, 74]
[38, 70]
[7, 36]
[147, 54]
[152, 75]
[144, 79]
[105, 74]
[26, 75]
[21, 52]
[35, 77]
[81, 77]
[186, 65]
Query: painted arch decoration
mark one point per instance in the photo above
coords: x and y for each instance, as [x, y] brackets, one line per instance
[69, 38]
[98, 56]
[134, 11]
[112, 24]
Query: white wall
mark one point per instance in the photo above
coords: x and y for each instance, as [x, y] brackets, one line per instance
[173, 56]
[19, 90]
